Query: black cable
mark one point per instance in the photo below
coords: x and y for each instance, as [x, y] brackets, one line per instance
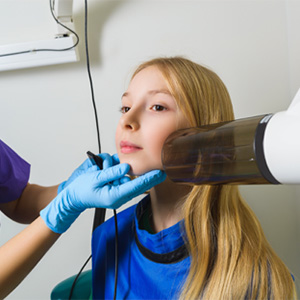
[89, 71]
[116, 254]
[76, 278]
[99, 212]
[55, 50]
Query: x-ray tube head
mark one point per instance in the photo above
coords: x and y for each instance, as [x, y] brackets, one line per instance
[257, 150]
[217, 154]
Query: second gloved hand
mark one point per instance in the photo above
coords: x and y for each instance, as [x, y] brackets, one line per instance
[108, 188]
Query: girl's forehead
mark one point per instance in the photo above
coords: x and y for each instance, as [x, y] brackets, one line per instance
[149, 76]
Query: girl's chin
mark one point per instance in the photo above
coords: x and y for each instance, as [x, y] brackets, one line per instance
[140, 171]
[134, 172]
[138, 168]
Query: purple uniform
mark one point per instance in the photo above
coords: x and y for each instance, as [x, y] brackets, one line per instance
[14, 174]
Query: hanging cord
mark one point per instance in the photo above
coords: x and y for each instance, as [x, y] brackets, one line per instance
[55, 50]
[99, 212]
[116, 254]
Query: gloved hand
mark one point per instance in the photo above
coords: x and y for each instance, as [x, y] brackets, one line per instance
[107, 162]
[107, 188]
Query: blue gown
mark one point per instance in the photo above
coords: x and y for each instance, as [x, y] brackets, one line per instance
[151, 266]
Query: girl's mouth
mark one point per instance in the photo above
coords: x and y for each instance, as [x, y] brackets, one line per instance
[127, 147]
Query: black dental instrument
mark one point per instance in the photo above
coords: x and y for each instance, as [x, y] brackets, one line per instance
[97, 159]
[99, 212]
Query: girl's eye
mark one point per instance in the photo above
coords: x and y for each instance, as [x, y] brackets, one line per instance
[124, 109]
[158, 107]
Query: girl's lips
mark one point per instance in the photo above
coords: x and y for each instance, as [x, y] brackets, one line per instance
[127, 147]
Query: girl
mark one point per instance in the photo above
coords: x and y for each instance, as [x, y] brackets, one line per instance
[180, 241]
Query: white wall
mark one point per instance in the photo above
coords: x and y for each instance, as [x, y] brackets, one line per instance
[46, 113]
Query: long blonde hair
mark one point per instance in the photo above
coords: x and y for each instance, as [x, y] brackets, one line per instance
[230, 256]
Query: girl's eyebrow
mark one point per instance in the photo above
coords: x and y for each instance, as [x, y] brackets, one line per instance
[151, 92]
[124, 95]
[162, 91]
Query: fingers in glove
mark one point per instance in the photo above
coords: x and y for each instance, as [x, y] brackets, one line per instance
[106, 160]
[113, 173]
[137, 186]
[115, 159]
[120, 181]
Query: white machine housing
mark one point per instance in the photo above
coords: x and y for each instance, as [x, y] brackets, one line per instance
[282, 144]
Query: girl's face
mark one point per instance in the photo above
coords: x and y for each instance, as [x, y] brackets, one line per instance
[149, 116]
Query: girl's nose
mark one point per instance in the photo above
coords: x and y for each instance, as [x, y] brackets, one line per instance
[130, 120]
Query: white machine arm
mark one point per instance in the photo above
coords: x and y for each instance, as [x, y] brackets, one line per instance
[282, 144]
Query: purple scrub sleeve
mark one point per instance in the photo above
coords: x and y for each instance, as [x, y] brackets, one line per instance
[14, 174]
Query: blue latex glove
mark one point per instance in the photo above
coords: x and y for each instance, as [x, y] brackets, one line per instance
[107, 162]
[107, 188]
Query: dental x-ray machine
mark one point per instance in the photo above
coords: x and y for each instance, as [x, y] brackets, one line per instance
[257, 150]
